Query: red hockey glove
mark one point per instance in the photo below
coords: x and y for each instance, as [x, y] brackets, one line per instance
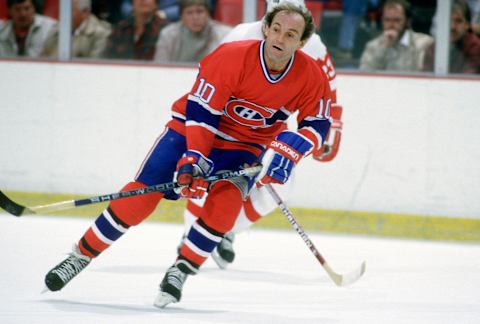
[328, 151]
[282, 155]
[191, 169]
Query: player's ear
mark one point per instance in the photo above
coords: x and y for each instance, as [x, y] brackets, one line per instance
[264, 29]
[302, 43]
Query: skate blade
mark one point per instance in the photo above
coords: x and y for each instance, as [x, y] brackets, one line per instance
[45, 290]
[163, 299]
[222, 264]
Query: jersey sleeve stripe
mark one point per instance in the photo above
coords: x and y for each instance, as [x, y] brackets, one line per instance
[313, 119]
[285, 111]
[178, 115]
[333, 85]
[226, 136]
[197, 116]
[204, 125]
[313, 135]
[197, 100]
[320, 126]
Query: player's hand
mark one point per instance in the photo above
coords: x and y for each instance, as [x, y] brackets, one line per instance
[282, 155]
[328, 151]
[191, 169]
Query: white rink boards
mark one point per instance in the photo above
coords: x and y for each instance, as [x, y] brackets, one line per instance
[275, 279]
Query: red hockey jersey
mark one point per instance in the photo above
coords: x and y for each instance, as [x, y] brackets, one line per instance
[236, 102]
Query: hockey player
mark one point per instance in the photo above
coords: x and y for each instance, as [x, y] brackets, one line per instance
[259, 203]
[242, 96]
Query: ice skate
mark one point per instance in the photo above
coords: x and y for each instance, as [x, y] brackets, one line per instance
[66, 270]
[224, 254]
[170, 287]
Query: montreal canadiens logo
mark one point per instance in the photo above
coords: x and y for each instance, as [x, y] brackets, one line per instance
[247, 113]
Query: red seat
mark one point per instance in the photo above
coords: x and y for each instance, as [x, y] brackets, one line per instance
[51, 8]
[3, 10]
[230, 12]
[315, 8]
[332, 5]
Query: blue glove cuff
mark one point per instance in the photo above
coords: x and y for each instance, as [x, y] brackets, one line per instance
[202, 163]
[296, 141]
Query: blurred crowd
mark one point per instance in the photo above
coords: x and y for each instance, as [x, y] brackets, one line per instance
[370, 35]
[399, 35]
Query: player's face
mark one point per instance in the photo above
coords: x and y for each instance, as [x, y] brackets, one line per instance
[458, 26]
[283, 38]
[22, 14]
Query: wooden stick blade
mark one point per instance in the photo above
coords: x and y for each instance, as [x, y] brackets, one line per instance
[345, 279]
[18, 210]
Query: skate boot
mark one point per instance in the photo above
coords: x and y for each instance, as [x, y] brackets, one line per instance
[63, 272]
[170, 287]
[224, 254]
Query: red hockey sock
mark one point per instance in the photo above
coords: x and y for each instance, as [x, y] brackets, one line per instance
[197, 246]
[217, 217]
[134, 210]
[116, 219]
[222, 206]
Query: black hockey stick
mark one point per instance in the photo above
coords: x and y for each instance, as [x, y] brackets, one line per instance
[18, 210]
[338, 279]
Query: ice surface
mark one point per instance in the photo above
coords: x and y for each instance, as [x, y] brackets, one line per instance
[275, 279]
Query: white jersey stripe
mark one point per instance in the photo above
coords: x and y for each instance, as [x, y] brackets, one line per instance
[196, 249]
[204, 125]
[206, 233]
[117, 226]
[99, 234]
[178, 115]
[204, 105]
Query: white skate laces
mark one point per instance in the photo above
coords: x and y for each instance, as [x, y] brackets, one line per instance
[66, 270]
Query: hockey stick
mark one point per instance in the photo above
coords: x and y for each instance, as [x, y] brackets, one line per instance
[338, 279]
[18, 210]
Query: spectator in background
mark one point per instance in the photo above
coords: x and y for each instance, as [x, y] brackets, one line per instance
[89, 34]
[136, 36]
[25, 32]
[166, 9]
[353, 12]
[398, 48]
[193, 37]
[464, 43]
[475, 19]
[474, 6]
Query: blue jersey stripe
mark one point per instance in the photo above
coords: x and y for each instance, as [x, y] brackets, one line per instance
[321, 126]
[107, 229]
[201, 241]
[200, 115]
